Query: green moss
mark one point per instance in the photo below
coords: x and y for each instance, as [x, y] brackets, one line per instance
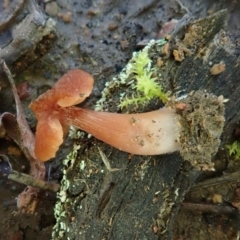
[139, 61]
[145, 85]
[147, 89]
[135, 100]
[234, 149]
[140, 77]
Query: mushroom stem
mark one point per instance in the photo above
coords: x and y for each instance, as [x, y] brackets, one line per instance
[148, 133]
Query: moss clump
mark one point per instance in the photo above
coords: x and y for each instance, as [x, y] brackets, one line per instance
[147, 89]
[234, 150]
[139, 62]
[141, 72]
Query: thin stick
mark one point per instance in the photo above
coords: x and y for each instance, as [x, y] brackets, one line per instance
[33, 182]
[200, 207]
[233, 177]
[27, 144]
[19, 109]
[106, 162]
[182, 6]
[28, 199]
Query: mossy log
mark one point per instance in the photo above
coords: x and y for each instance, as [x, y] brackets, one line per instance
[140, 199]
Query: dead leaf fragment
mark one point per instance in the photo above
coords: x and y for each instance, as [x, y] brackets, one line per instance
[217, 68]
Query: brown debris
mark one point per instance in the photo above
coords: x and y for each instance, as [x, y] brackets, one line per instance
[165, 49]
[124, 44]
[160, 62]
[112, 26]
[167, 27]
[194, 33]
[217, 68]
[2, 130]
[181, 106]
[22, 90]
[34, 182]
[66, 17]
[92, 12]
[27, 200]
[178, 55]
[202, 207]
[205, 112]
[217, 198]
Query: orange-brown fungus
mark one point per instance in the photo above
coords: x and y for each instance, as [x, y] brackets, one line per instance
[149, 133]
[71, 89]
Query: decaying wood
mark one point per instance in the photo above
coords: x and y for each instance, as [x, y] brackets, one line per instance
[142, 201]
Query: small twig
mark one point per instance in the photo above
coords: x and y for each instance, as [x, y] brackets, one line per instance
[29, 198]
[182, 6]
[233, 177]
[34, 182]
[11, 80]
[27, 135]
[200, 207]
[8, 203]
[106, 162]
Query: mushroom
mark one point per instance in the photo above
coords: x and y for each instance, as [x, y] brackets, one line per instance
[150, 133]
[71, 89]
[192, 125]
